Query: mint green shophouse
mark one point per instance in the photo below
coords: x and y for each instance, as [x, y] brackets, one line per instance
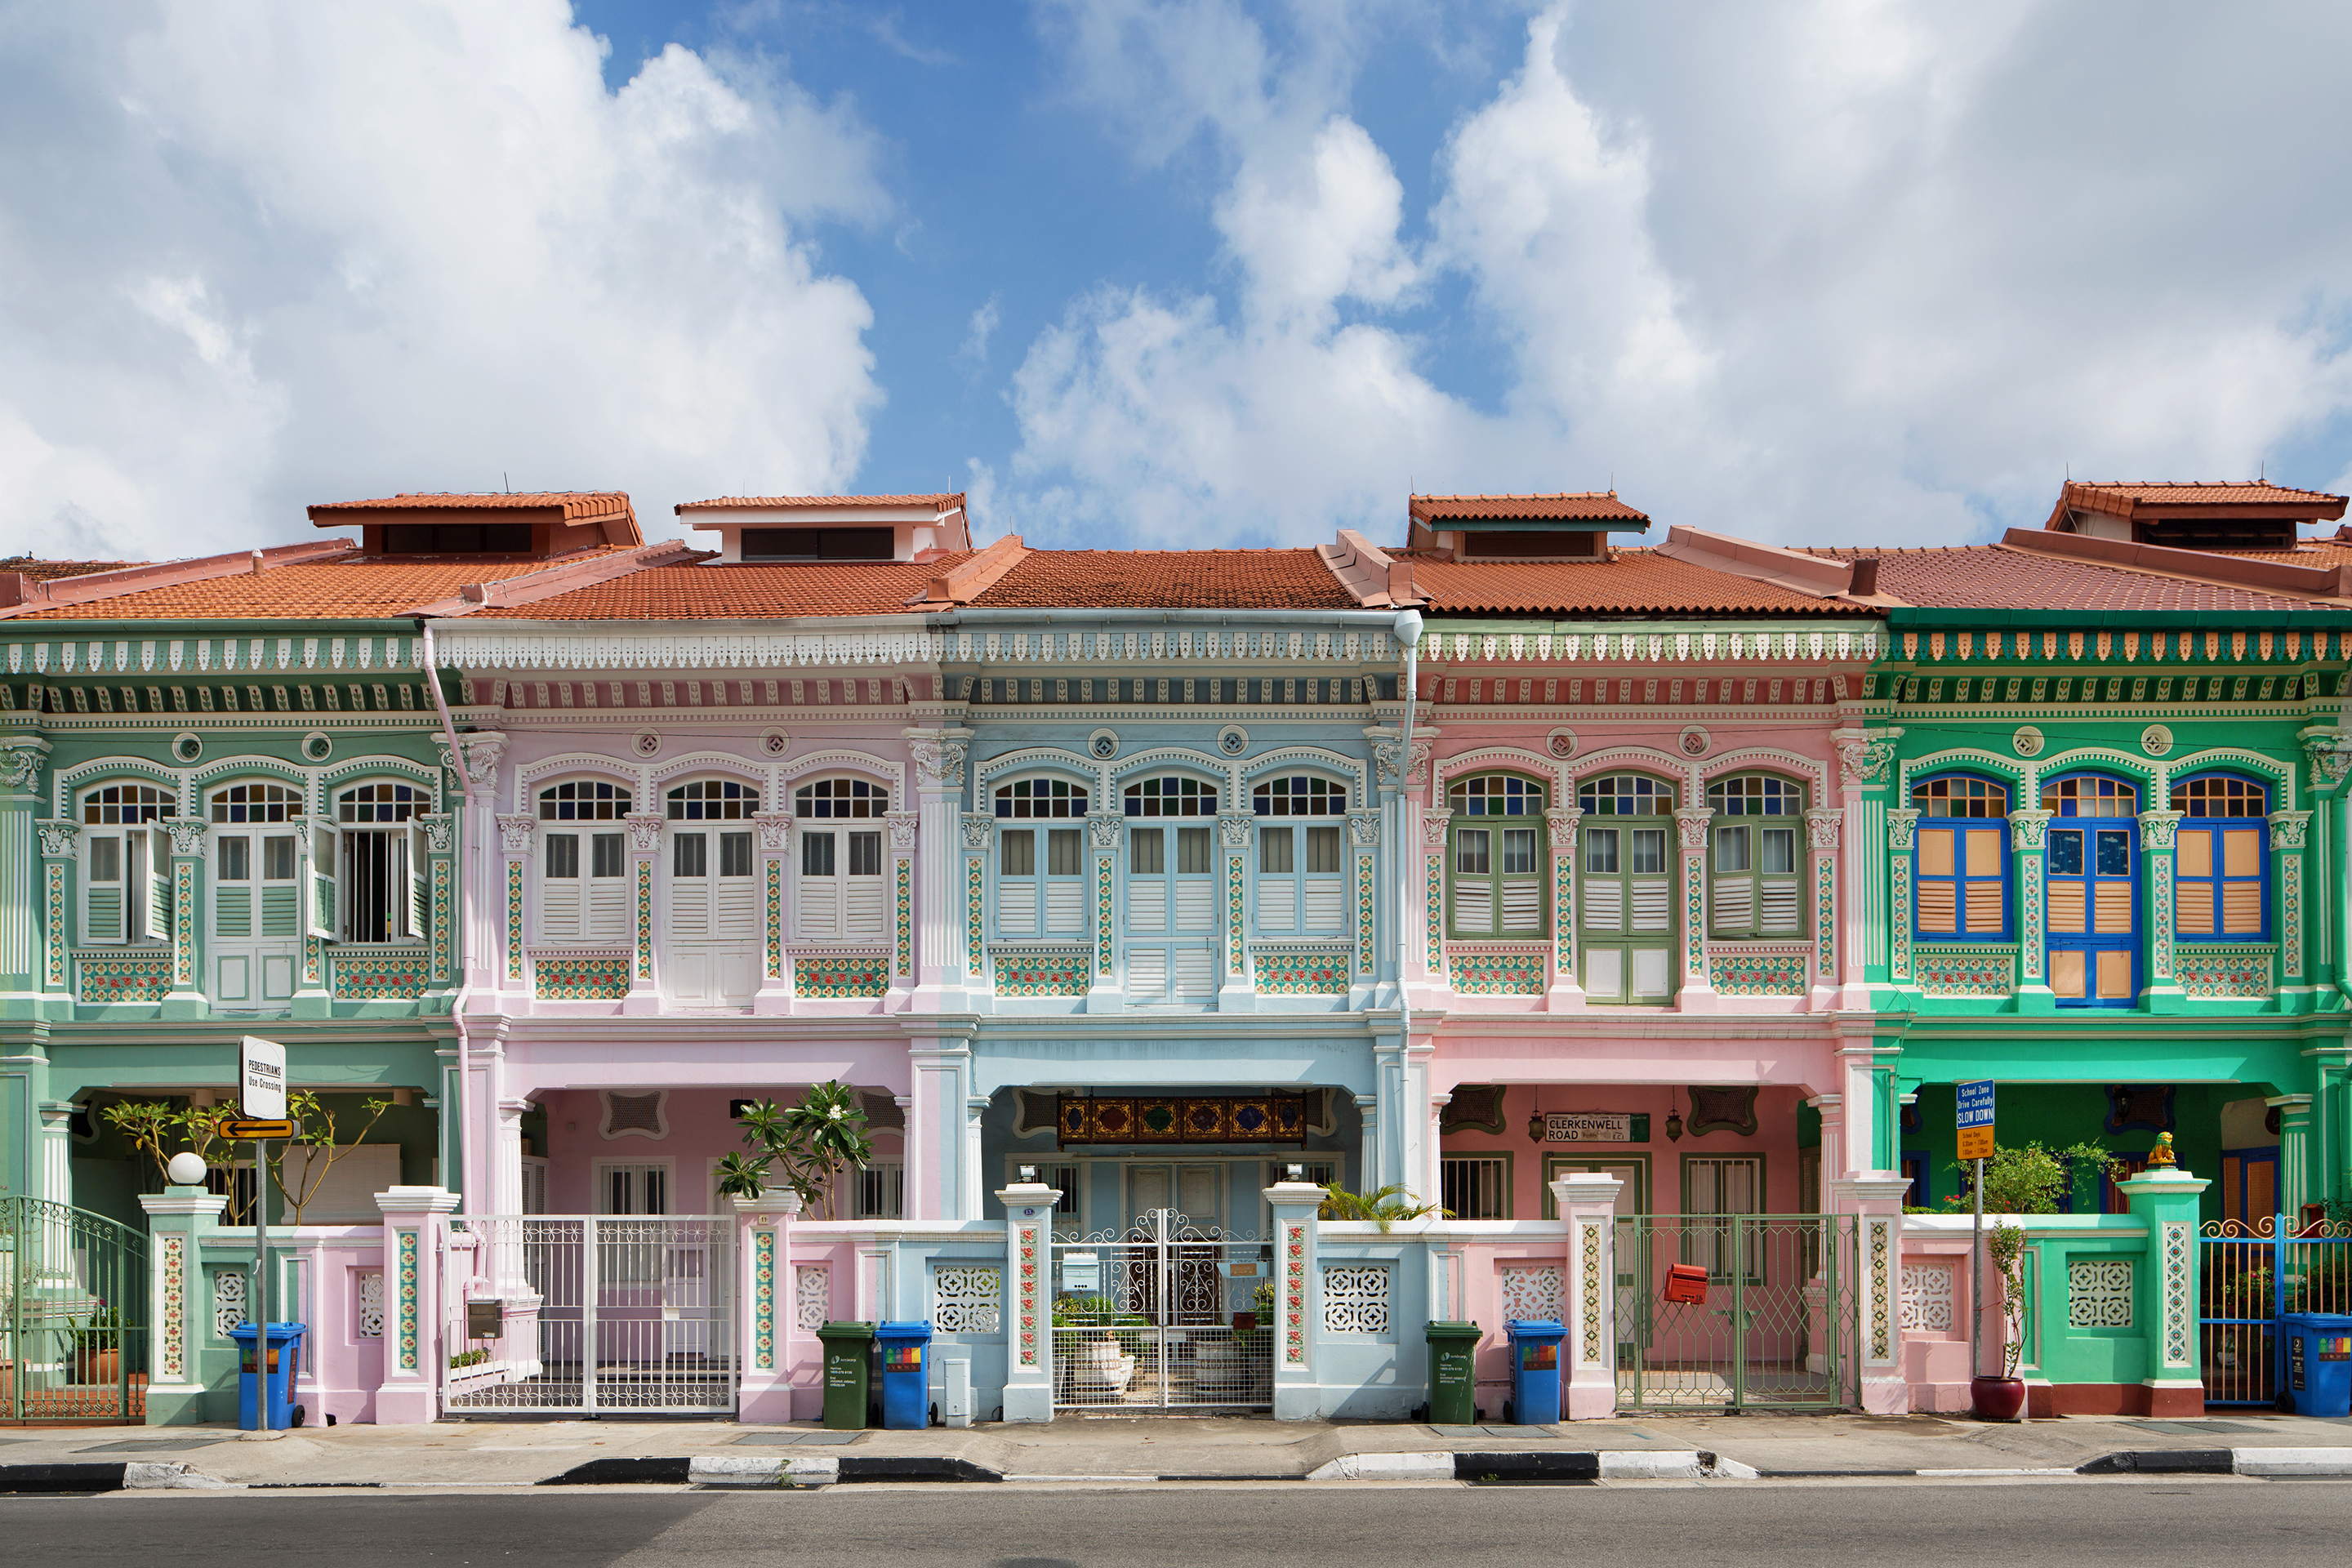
[212, 824]
[2104, 870]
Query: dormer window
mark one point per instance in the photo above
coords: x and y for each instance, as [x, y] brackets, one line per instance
[784, 544]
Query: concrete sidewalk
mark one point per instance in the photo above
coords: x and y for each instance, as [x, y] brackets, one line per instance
[1111, 1449]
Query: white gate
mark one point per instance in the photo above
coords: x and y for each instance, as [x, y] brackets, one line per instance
[603, 1313]
[1164, 1315]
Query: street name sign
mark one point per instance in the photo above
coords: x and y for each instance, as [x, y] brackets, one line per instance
[1975, 1120]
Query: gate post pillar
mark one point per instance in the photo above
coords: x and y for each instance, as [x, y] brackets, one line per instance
[1297, 1299]
[2296, 1188]
[1028, 1307]
[1875, 1202]
[178, 1219]
[415, 1221]
[1587, 1202]
[763, 1227]
[2164, 1198]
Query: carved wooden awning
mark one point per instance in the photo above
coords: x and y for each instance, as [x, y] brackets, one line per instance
[1183, 1119]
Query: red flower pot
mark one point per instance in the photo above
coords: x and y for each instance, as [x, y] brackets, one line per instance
[1997, 1398]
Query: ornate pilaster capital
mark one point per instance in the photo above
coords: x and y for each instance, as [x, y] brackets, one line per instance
[2287, 828]
[1692, 822]
[1865, 761]
[938, 756]
[1398, 772]
[1563, 821]
[1364, 829]
[1822, 826]
[1901, 824]
[514, 834]
[644, 832]
[187, 836]
[476, 760]
[901, 825]
[976, 826]
[2028, 824]
[1102, 832]
[440, 831]
[21, 758]
[2331, 757]
[58, 839]
[1234, 832]
[2155, 828]
[775, 830]
[1434, 825]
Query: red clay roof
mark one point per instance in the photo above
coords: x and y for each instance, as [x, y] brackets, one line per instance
[2196, 492]
[41, 571]
[352, 587]
[1169, 580]
[1636, 582]
[789, 503]
[1581, 507]
[1996, 577]
[737, 593]
[574, 503]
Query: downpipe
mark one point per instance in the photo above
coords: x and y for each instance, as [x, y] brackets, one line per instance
[470, 851]
[1408, 632]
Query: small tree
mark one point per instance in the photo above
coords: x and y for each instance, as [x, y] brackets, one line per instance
[803, 1147]
[317, 1140]
[159, 1129]
[2025, 1180]
[2005, 1246]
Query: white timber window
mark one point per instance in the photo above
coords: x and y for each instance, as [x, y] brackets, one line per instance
[583, 865]
[1041, 874]
[1302, 883]
[841, 892]
[1626, 882]
[714, 919]
[1172, 892]
[374, 889]
[257, 903]
[126, 863]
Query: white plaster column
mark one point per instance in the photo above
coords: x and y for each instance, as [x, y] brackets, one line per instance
[505, 1174]
[1833, 1112]
[644, 853]
[477, 1112]
[1865, 758]
[1822, 832]
[1297, 1299]
[480, 901]
[57, 1151]
[415, 1220]
[939, 1124]
[1697, 993]
[2296, 1185]
[1028, 1307]
[23, 893]
[939, 960]
[1587, 1203]
[774, 830]
[1566, 994]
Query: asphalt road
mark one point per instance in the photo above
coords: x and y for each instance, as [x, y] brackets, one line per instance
[2080, 1524]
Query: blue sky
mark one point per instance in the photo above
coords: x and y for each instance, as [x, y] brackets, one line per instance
[1165, 272]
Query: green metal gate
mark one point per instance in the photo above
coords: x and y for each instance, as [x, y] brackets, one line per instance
[73, 1316]
[1775, 1331]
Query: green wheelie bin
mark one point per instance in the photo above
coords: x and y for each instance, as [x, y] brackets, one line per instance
[1454, 1373]
[848, 1349]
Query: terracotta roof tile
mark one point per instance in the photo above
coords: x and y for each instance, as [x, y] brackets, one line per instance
[1636, 582]
[789, 503]
[738, 592]
[2258, 492]
[1580, 506]
[1996, 577]
[575, 503]
[349, 588]
[40, 571]
[1169, 580]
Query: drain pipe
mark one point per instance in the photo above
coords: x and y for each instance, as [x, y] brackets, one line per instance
[463, 946]
[1408, 632]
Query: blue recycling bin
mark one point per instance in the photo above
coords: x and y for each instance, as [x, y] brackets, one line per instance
[274, 1384]
[906, 1351]
[2318, 1379]
[1535, 1370]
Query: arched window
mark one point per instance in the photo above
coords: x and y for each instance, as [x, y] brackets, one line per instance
[1041, 873]
[1625, 884]
[1171, 894]
[1027, 798]
[1961, 881]
[711, 800]
[1301, 871]
[841, 797]
[1756, 889]
[584, 800]
[1497, 885]
[2220, 854]
[1172, 796]
[2092, 912]
[377, 848]
[256, 900]
[584, 888]
[126, 866]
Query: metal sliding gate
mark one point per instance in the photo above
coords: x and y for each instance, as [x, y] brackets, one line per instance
[73, 1315]
[1166, 1315]
[603, 1313]
[1775, 1331]
[2250, 1273]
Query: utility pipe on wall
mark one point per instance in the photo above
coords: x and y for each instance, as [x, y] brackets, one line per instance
[463, 944]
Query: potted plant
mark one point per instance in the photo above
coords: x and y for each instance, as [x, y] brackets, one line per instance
[2001, 1399]
[1094, 1362]
[804, 1148]
[97, 1346]
[2027, 1180]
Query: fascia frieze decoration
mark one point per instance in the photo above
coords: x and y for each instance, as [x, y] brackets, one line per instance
[1842, 643]
[486, 650]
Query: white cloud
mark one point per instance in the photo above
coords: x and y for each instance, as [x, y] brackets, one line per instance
[985, 323]
[1843, 270]
[267, 255]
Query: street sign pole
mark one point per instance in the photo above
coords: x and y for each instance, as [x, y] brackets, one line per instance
[1973, 1104]
[261, 1097]
[1976, 1282]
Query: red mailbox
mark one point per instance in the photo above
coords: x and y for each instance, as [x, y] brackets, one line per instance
[1687, 1283]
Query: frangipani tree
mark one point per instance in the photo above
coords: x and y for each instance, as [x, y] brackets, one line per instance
[803, 1147]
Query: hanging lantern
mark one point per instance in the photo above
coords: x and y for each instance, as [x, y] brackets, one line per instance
[1535, 1127]
[1673, 1119]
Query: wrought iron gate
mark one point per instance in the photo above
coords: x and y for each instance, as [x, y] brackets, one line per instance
[73, 1315]
[1163, 1316]
[2250, 1273]
[604, 1314]
[1775, 1330]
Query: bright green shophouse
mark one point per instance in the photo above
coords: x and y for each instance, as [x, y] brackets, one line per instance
[2102, 775]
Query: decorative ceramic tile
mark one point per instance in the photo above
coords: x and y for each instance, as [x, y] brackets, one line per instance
[1532, 1292]
[444, 921]
[1355, 1298]
[1041, 971]
[2099, 1293]
[1027, 1310]
[1825, 917]
[1966, 971]
[173, 1288]
[361, 977]
[1743, 973]
[763, 1297]
[1928, 1292]
[183, 924]
[145, 978]
[1898, 887]
[1881, 1313]
[2028, 952]
[1563, 920]
[599, 977]
[1589, 1252]
[1364, 916]
[1293, 1293]
[2290, 886]
[370, 1303]
[1433, 891]
[408, 1342]
[906, 945]
[1475, 974]
[645, 919]
[2237, 972]
[56, 900]
[514, 919]
[840, 975]
[974, 914]
[776, 919]
[1237, 952]
[968, 1298]
[1695, 918]
[1301, 972]
[2179, 1311]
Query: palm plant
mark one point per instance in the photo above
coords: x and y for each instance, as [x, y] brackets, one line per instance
[1382, 1206]
[803, 1147]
